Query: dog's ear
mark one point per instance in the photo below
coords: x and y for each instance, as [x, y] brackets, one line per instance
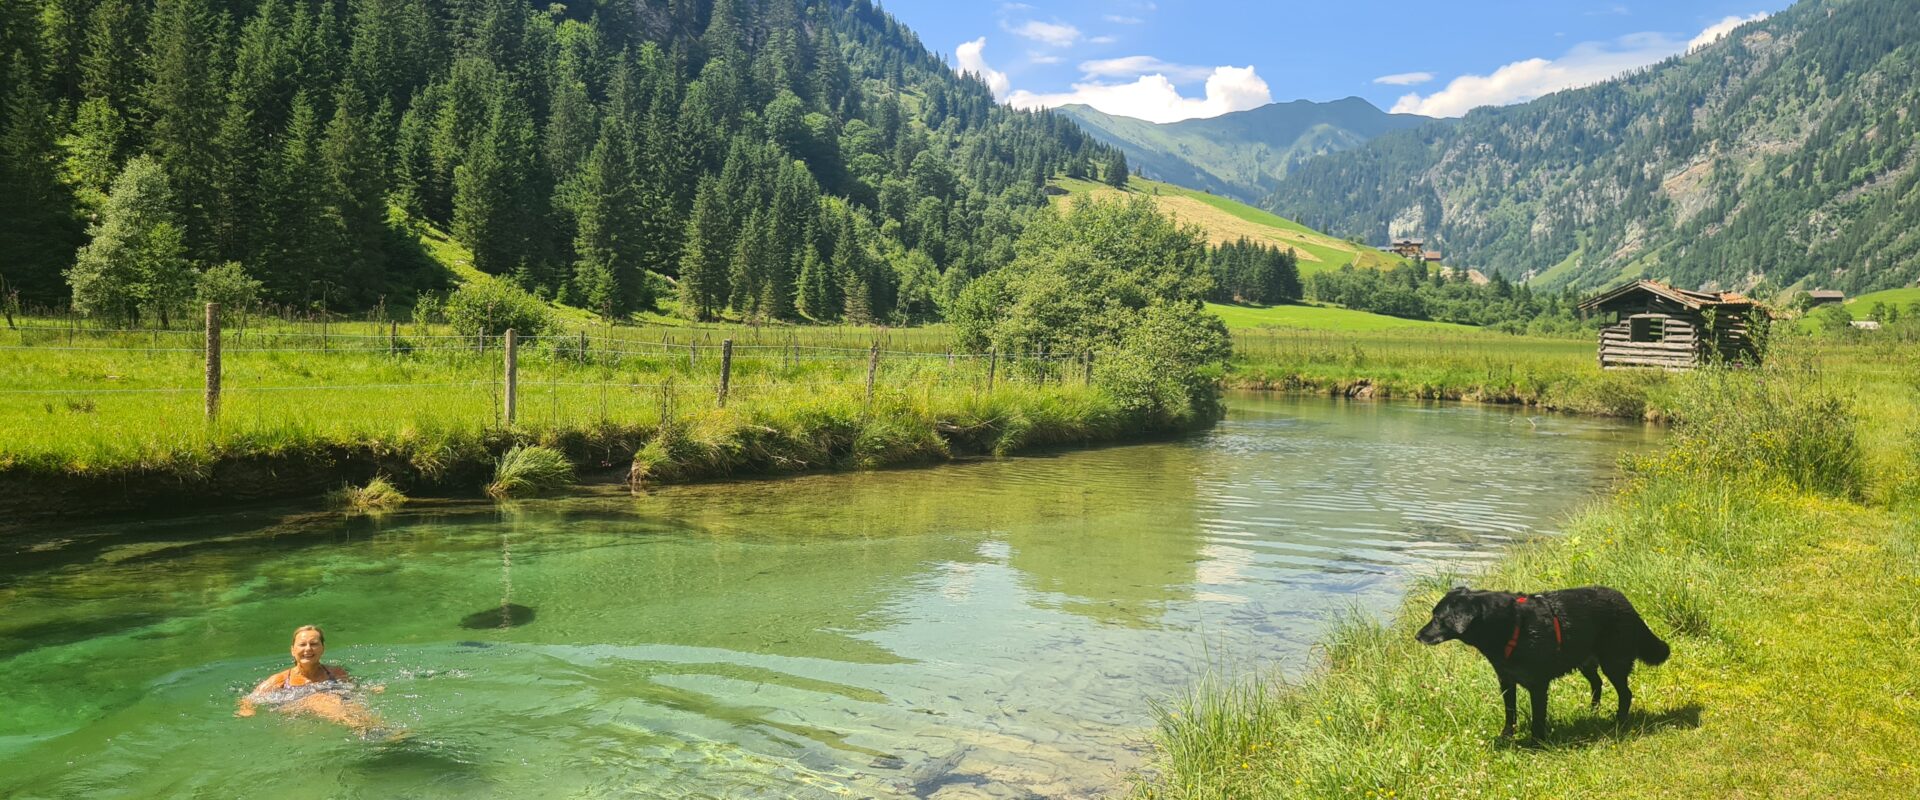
[1457, 591]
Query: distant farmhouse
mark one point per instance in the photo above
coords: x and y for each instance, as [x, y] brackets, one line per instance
[1656, 325]
[1821, 297]
[1413, 248]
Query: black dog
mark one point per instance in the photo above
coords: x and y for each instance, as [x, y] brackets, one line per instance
[1532, 639]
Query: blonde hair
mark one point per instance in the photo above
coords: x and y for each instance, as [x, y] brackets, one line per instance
[314, 628]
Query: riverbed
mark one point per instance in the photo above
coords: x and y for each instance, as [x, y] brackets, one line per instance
[996, 628]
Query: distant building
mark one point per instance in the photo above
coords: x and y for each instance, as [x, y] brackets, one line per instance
[1821, 297]
[1431, 256]
[1659, 326]
[1866, 324]
[1408, 248]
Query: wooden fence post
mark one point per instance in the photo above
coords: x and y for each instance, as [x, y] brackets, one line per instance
[726, 369]
[213, 362]
[873, 366]
[393, 337]
[513, 368]
[583, 346]
[993, 365]
[1089, 375]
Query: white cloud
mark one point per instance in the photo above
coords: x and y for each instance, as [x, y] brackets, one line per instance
[1055, 34]
[1118, 19]
[1104, 39]
[1405, 78]
[970, 59]
[1131, 66]
[1155, 98]
[1586, 64]
[1723, 27]
[1043, 58]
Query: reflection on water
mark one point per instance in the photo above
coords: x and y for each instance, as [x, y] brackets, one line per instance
[988, 629]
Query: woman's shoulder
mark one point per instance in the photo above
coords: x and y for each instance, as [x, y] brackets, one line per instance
[338, 673]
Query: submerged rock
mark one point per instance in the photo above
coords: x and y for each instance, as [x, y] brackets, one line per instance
[509, 615]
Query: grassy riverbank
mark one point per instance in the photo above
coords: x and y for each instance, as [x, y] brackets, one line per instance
[1435, 364]
[1775, 543]
[109, 421]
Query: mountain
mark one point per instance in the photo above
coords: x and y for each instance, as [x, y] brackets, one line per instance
[783, 159]
[1243, 154]
[1787, 153]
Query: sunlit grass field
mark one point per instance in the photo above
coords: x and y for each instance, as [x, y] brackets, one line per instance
[1324, 318]
[79, 400]
[1774, 542]
[1228, 220]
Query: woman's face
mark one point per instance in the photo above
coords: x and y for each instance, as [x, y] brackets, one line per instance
[307, 648]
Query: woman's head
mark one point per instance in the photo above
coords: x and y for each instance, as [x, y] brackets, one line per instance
[309, 643]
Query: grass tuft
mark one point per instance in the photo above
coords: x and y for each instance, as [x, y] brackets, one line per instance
[530, 471]
[377, 497]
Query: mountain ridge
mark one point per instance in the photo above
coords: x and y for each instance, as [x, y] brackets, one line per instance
[1243, 154]
[1785, 154]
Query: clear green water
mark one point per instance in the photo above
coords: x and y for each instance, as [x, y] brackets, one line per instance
[992, 629]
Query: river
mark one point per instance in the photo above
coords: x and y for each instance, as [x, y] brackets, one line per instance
[986, 629]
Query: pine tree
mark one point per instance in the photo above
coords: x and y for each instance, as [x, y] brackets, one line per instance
[258, 104]
[356, 184]
[1115, 173]
[303, 242]
[110, 67]
[708, 254]
[39, 231]
[607, 275]
[497, 205]
[182, 96]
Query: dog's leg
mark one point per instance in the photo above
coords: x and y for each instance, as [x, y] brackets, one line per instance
[1591, 669]
[1617, 672]
[1538, 694]
[1507, 686]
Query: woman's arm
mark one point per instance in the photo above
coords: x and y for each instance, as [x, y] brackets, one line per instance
[246, 703]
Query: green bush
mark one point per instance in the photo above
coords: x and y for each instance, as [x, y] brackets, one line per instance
[1170, 364]
[493, 306]
[530, 471]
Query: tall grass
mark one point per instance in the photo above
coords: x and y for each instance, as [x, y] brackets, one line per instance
[529, 471]
[378, 496]
[1756, 542]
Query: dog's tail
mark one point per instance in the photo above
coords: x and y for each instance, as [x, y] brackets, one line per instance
[1652, 651]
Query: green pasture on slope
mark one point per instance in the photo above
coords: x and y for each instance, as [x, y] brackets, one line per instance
[1330, 318]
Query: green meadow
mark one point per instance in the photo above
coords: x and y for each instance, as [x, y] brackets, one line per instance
[1227, 220]
[1775, 543]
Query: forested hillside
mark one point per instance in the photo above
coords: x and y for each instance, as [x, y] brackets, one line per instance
[1788, 152]
[1241, 155]
[780, 158]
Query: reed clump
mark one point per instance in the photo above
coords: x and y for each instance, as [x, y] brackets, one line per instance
[377, 497]
[529, 471]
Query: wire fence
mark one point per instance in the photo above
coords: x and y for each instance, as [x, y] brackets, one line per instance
[418, 371]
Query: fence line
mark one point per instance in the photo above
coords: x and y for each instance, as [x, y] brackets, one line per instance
[530, 375]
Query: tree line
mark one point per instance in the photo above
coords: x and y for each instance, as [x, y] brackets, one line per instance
[1415, 290]
[772, 159]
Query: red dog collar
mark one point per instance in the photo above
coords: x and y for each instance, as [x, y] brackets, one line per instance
[1515, 641]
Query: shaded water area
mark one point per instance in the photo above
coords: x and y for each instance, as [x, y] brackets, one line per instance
[988, 629]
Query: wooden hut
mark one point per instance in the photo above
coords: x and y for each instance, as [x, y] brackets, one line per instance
[1656, 325]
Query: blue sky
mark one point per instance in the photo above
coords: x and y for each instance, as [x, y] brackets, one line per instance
[1178, 59]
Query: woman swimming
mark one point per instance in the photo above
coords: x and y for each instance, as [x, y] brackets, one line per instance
[311, 687]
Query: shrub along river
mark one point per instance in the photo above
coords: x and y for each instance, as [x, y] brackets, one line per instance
[996, 628]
